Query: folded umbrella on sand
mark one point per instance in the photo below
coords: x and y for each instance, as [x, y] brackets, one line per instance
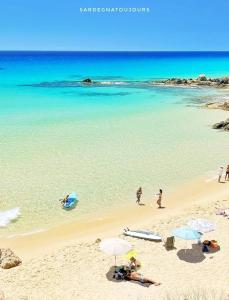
[115, 246]
[201, 225]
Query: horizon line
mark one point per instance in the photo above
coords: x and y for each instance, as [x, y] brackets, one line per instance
[129, 51]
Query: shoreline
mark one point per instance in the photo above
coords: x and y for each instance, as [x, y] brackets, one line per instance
[112, 222]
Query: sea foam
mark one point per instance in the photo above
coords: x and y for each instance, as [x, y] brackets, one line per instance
[8, 216]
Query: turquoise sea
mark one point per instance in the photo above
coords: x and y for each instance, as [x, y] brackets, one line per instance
[102, 141]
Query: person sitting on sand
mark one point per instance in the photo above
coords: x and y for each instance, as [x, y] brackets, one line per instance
[206, 245]
[220, 173]
[63, 201]
[159, 198]
[138, 195]
[227, 173]
[134, 264]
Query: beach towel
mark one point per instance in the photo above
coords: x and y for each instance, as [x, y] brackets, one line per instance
[223, 212]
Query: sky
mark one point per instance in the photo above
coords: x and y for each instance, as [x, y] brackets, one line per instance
[171, 25]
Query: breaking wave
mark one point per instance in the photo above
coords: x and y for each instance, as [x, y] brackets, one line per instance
[8, 216]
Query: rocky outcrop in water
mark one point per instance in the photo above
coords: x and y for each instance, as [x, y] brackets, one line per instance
[87, 80]
[8, 259]
[201, 80]
[224, 125]
[218, 105]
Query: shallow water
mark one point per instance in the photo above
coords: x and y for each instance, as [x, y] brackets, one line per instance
[102, 142]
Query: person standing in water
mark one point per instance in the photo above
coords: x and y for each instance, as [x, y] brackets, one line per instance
[159, 198]
[220, 173]
[138, 195]
[227, 173]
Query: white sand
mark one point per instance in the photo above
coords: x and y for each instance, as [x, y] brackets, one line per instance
[77, 270]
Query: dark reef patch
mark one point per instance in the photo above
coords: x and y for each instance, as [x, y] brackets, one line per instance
[76, 76]
[88, 83]
[104, 94]
[99, 77]
[175, 83]
[51, 84]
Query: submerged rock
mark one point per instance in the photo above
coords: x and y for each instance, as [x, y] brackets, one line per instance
[8, 259]
[226, 122]
[226, 127]
[87, 80]
[222, 125]
[178, 81]
[202, 77]
[218, 125]
[218, 105]
[201, 80]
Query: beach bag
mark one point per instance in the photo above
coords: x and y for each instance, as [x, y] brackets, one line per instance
[120, 274]
[205, 248]
[214, 244]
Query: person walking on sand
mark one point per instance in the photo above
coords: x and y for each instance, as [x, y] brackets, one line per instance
[138, 195]
[159, 198]
[227, 173]
[220, 173]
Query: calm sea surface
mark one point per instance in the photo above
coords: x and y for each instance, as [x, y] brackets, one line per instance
[102, 141]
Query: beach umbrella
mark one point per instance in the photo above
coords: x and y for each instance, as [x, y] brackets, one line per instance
[186, 233]
[115, 246]
[201, 225]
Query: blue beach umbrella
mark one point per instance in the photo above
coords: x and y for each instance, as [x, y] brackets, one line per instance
[186, 233]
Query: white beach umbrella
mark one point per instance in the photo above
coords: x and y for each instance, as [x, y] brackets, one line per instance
[8, 216]
[201, 225]
[115, 246]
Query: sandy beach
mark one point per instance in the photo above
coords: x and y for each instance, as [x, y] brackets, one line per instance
[65, 262]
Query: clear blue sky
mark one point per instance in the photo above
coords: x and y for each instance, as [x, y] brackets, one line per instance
[59, 25]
